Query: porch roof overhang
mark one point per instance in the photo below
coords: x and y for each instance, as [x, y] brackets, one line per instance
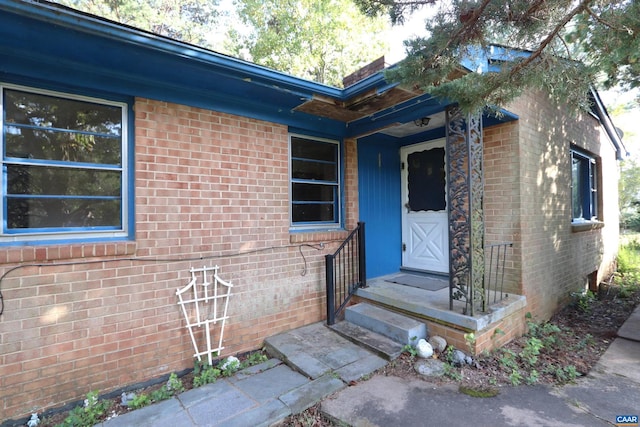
[57, 47]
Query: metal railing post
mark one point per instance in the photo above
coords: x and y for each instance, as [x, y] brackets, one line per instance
[331, 302]
[362, 264]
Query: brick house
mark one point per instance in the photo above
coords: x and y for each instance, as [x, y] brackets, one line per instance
[129, 158]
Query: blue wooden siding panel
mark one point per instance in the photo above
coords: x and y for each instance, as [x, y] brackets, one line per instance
[379, 199]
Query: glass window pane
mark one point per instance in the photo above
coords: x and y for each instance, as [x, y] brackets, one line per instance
[50, 132]
[30, 143]
[60, 212]
[313, 193]
[25, 108]
[313, 212]
[43, 180]
[593, 182]
[426, 180]
[315, 175]
[304, 169]
[316, 150]
[576, 188]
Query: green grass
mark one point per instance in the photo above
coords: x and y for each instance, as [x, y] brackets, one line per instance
[629, 255]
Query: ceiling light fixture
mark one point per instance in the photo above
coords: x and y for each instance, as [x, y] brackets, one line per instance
[422, 122]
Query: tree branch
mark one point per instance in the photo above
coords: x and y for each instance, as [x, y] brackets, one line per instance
[467, 26]
[581, 7]
[603, 22]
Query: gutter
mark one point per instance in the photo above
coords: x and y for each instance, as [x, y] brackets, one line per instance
[605, 119]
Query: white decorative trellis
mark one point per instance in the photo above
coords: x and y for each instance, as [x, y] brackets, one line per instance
[207, 307]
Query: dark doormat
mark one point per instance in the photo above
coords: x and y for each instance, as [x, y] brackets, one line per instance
[429, 283]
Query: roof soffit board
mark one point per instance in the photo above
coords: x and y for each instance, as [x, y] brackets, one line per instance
[359, 106]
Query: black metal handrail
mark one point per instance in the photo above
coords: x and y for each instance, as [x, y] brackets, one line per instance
[345, 272]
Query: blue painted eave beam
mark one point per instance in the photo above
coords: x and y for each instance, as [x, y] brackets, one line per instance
[80, 22]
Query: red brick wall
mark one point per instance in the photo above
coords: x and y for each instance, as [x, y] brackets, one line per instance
[528, 201]
[211, 189]
[502, 198]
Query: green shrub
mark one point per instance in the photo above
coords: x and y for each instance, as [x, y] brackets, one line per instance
[584, 301]
[515, 377]
[171, 388]
[254, 358]
[140, 401]
[89, 414]
[205, 374]
[531, 350]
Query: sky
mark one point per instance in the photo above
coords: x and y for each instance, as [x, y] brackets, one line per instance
[412, 28]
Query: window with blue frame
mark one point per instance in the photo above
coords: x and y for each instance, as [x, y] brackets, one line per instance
[315, 182]
[63, 166]
[584, 186]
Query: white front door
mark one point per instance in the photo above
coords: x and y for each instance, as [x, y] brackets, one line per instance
[425, 235]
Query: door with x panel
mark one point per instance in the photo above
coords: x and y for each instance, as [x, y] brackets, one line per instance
[425, 235]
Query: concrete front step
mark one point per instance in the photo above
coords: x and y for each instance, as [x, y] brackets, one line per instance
[372, 341]
[397, 327]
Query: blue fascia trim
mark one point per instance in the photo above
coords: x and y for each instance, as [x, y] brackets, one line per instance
[77, 21]
[93, 81]
[489, 59]
[38, 83]
[505, 116]
[504, 53]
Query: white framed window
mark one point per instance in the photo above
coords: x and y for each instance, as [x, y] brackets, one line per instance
[314, 182]
[64, 166]
[584, 186]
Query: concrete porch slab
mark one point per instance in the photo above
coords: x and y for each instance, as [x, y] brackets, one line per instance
[434, 305]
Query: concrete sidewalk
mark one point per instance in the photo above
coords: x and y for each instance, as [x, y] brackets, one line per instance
[320, 365]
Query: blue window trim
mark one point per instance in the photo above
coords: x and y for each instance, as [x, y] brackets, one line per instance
[76, 235]
[589, 189]
[318, 226]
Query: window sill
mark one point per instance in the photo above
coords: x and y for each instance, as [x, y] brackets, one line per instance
[317, 236]
[577, 227]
